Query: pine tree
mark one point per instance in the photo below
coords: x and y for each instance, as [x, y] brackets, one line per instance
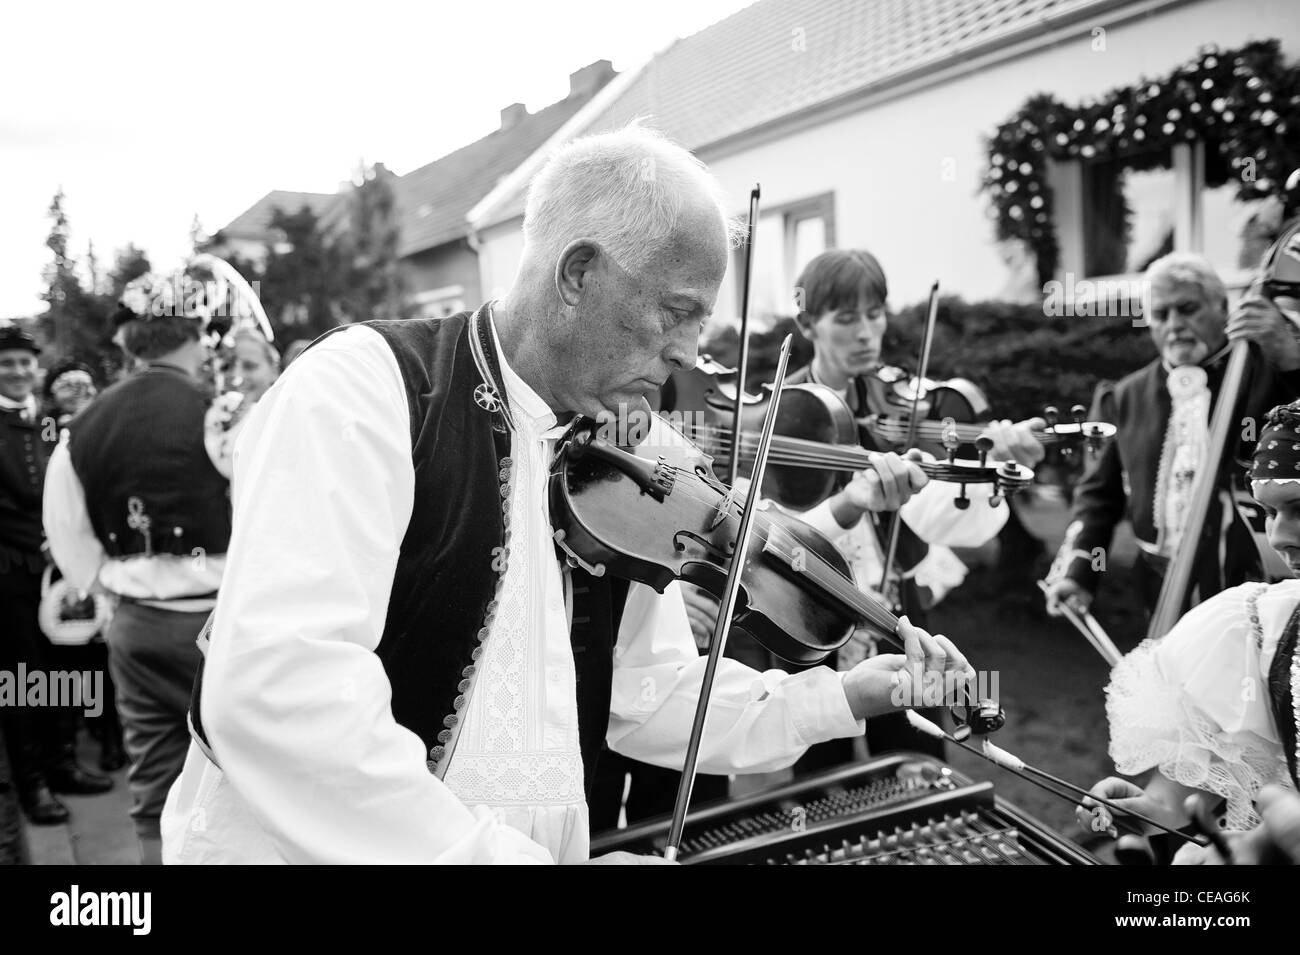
[64, 324]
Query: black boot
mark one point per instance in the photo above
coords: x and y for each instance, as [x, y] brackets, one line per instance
[112, 756]
[65, 776]
[42, 806]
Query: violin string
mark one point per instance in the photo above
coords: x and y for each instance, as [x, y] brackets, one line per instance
[817, 454]
[822, 571]
[966, 433]
[965, 473]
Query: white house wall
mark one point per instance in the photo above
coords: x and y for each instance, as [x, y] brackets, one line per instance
[886, 164]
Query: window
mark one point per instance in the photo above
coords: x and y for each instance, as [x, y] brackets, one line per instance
[439, 302]
[787, 238]
[1115, 217]
[1129, 211]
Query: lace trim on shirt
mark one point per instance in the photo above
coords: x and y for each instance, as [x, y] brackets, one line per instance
[1295, 700]
[521, 779]
[1153, 724]
[504, 754]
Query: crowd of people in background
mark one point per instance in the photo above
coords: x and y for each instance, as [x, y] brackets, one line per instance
[93, 580]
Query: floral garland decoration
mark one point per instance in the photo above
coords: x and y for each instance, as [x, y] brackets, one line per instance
[1245, 104]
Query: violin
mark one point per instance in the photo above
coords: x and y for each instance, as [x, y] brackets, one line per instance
[658, 512]
[891, 431]
[816, 440]
[893, 391]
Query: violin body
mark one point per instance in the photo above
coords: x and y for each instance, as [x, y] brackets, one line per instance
[664, 515]
[890, 393]
[704, 409]
[817, 442]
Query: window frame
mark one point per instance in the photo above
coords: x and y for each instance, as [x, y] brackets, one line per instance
[1187, 161]
[821, 205]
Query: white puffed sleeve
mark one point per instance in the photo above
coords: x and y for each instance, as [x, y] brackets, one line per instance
[1195, 703]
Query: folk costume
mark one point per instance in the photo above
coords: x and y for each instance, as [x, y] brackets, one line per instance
[1146, 474]
[1215, 704]
[134, 506]
[39, 740]
[400, 668]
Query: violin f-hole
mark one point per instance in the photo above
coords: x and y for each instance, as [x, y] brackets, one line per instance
[708, 546]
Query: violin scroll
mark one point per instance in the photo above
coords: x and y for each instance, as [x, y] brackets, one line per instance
[979, 718]
[1007, 477]
[1091, 434]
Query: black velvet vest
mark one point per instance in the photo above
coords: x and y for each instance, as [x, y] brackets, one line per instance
[456, 549]
[150, 486]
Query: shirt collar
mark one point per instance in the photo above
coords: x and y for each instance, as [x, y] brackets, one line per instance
[845, 393]
[27, 405]
[523, 400]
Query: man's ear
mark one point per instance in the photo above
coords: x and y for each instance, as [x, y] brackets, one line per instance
[574, 269]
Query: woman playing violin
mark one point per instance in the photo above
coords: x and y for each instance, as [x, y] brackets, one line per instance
[842, 297]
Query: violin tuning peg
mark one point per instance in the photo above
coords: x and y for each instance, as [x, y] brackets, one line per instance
[1051, 414]
[962, 502]
[1077, 413]
[950, 439]
[984, 444]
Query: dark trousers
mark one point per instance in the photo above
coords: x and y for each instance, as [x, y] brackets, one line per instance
[36, 737]
[153, 659]
[653, 792]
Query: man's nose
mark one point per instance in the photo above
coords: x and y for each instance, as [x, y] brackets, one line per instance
[683, 350]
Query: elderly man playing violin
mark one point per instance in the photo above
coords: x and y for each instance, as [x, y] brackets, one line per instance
[399, 667]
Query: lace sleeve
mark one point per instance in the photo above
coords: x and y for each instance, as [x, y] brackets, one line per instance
[1191, 705]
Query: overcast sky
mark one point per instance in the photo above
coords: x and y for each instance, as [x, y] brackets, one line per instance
[150, 112]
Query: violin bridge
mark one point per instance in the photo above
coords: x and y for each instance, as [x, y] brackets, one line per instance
[724, 508]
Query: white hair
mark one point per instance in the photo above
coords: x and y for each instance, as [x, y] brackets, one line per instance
[1187, 268]
[625, 189]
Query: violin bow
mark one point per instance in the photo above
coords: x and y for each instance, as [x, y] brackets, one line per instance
[722, 626]
[1091, 630]
[913, 418]
[1044, 780]
[733, 460]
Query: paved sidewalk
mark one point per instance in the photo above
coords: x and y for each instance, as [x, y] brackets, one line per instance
[99, 832]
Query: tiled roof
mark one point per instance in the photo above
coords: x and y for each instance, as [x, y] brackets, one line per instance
[255, 221]
[778, 58]
[434, 199]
